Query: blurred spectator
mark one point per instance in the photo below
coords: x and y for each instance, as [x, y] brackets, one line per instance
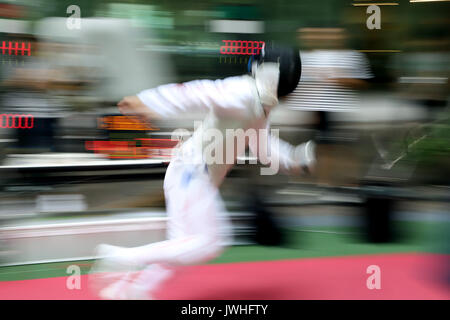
[331, 76]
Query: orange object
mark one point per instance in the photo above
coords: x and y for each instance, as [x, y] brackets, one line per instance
[131, 123]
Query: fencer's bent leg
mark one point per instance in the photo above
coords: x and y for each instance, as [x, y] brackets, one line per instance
[197, 227]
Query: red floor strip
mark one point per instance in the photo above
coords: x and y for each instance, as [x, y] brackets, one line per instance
[403, 276]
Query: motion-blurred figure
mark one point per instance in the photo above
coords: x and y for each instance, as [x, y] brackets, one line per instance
[197, 228]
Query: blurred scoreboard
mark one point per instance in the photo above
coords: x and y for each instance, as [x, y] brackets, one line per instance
[127, 123]
[16, 121]
[127, 137]
[241, 47]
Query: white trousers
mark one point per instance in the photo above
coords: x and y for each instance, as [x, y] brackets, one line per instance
[198, 226]
[194, 207]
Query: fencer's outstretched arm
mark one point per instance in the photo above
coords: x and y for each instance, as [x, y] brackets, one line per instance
[291, 159]
[229, 97]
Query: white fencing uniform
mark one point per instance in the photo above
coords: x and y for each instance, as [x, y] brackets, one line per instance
[198, 226]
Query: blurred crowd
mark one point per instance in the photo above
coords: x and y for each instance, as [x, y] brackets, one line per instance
[375, 101]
